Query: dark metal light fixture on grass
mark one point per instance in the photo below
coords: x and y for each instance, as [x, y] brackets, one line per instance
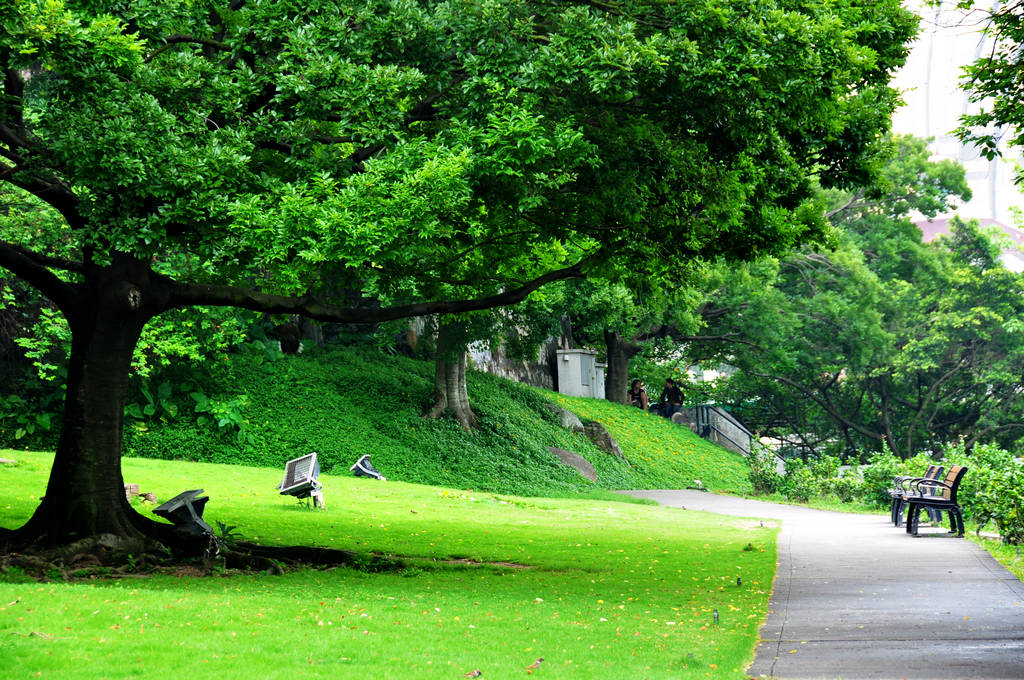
[186, 511]
[364, 468]
[300, 479]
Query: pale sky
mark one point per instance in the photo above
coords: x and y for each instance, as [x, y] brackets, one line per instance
[948, 40]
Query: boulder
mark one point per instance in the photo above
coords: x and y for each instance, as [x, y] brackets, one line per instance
[568, 419]
[575, 460]
[602, 439]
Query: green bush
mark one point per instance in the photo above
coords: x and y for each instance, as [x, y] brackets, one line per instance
[1001, 501]
[986, 465]
[799, 483]
[763, 472]
[846, 486]
[878, 474]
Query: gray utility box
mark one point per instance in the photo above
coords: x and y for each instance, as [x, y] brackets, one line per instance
[579, 373]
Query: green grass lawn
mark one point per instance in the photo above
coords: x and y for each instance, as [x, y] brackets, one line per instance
[598, 589]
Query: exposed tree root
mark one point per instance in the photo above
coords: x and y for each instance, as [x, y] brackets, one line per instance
[294, 556]
[108, 556]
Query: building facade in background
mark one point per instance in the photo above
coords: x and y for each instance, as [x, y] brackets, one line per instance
[949, 40]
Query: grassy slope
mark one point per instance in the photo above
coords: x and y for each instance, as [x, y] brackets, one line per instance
[613, 590]
[344, 403]
[664, 455]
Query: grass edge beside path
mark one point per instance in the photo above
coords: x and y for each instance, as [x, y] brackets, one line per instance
[1010, 556]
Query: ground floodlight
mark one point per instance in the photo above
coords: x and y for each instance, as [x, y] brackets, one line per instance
[364, 468]
[186, 511]
[300, 479]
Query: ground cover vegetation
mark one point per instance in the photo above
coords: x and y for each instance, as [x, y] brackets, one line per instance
[261, 407]
[453, 581]
[366, 161]
[669, 455]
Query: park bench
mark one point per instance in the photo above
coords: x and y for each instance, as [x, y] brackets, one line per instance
[902, 484]
[938, 495]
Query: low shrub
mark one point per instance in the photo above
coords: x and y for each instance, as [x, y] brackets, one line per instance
[878, 474]
[1001, 501]
[992, 490]
[764, 474]
[846, 487]
[799, 483]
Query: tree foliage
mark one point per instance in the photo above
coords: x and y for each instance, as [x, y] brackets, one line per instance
[882, 340]
[367, 160]
[993, 80]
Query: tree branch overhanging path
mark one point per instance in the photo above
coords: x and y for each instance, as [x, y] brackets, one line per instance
[255, 156]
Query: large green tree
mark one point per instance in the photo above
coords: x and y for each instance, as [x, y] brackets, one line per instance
[882, 339]
[366, 160]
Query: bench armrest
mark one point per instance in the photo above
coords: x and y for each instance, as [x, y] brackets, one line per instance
[932, 486]
[907, 482]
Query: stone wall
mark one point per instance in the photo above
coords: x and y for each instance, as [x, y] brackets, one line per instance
[536, 373]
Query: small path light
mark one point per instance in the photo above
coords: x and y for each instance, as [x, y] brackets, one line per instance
[300, 479]
[186, 511]
[364, 468]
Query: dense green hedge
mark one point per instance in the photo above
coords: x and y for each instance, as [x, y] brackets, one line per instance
[346, 402]
[992, 491]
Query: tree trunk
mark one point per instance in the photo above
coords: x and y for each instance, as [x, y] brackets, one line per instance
[450, 394]
[616, 377]
[85, 494]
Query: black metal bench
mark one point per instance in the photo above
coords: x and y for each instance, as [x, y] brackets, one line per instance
[938, 495]
[902, 485]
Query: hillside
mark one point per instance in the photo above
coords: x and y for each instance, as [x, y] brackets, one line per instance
[346, 402]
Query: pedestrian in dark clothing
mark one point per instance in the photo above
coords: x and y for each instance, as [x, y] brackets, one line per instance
[671, 398]
[637, 395]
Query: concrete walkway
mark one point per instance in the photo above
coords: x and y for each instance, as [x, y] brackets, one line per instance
[855, 597]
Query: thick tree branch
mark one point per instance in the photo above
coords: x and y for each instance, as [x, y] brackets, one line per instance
[733, 338]
[824, 404]
[15, 260]
[173, 40]
[11, 108]
[12, 157]
[11, 138]
[182, 295]
[854, 199]
[53, 193]
[50, 261]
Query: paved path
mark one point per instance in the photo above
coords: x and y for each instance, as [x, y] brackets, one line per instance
[855, 597]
